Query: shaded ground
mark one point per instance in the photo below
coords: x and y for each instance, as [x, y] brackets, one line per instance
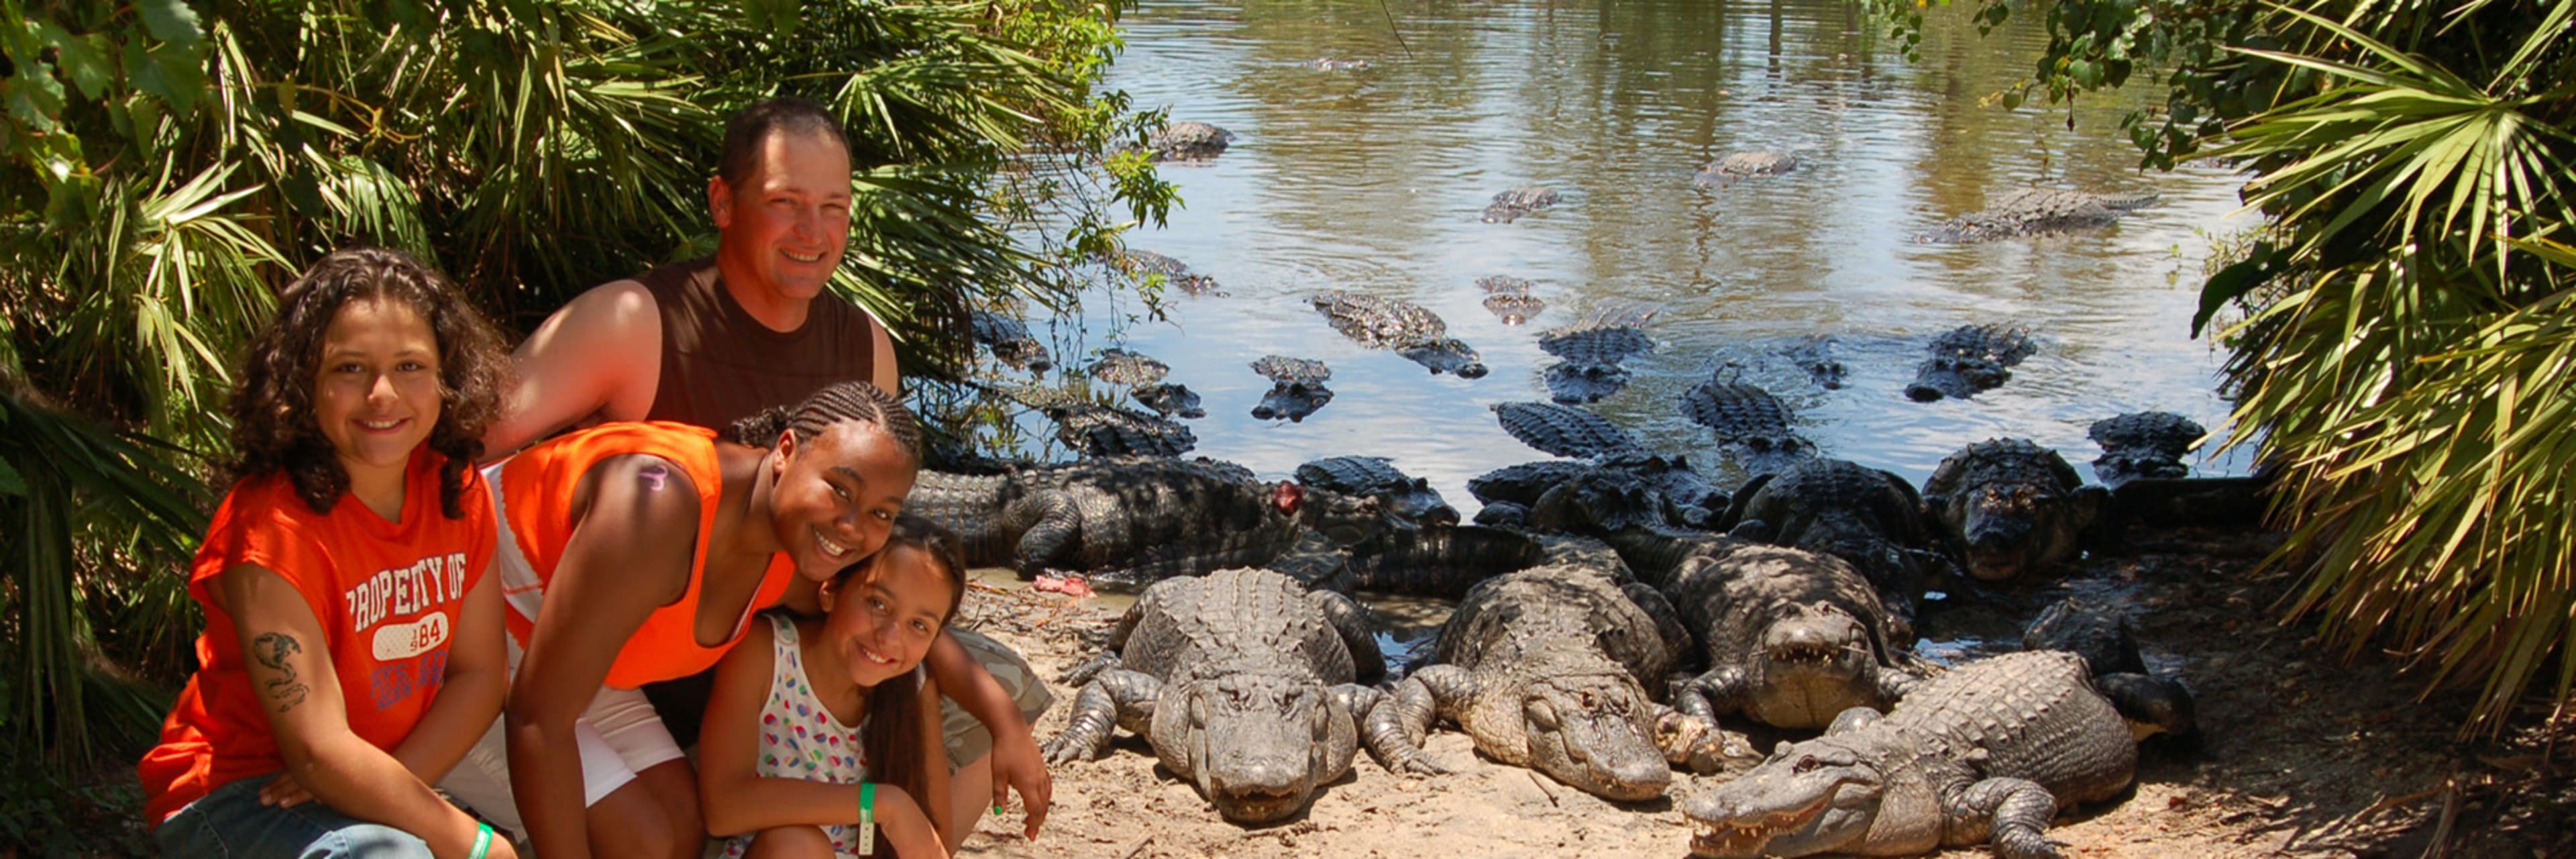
[2301, 755]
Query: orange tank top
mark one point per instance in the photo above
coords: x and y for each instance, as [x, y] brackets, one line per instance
[535, 491]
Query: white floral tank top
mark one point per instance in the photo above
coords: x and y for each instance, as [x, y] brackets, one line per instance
[799, 738]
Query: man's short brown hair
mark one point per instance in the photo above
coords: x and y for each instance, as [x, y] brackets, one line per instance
[781, 115]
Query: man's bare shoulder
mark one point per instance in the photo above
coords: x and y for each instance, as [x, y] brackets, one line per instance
[617, 302]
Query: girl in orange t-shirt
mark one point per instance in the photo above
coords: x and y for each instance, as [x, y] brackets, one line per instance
[353, 646]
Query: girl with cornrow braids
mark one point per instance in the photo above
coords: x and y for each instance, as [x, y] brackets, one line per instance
[637, 552]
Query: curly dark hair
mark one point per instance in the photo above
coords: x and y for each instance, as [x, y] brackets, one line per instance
[858, 400]
[273, 424]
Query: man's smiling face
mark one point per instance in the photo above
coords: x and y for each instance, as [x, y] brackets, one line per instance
[788, 219]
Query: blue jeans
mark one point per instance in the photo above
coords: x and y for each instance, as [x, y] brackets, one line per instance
[230, 822]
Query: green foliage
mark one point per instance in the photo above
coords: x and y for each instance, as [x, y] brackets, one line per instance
[2407, 340]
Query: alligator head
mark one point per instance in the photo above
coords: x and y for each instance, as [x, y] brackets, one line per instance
[1419, 503]
[1831, 794]
[1595, 732]
[1256, 745]
[1955, 376]
[1445, 355]
[1292, 400]
[1347, 520]
[1815, 661]
[2013, 528]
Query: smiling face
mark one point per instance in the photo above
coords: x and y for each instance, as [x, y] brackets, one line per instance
[883, 618]
[376, 389]
[834, 496]
[788, 219]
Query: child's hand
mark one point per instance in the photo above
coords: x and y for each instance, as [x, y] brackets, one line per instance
[1018, 766]
[906, 826]
[284, 792]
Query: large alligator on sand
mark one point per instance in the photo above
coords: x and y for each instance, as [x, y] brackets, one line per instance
[1408, 328]
[1868, 517]
[1792, 637]
[1508, 206]
[1403, 496]
[1969, 359]
[1113, 513]
[1296, 387]
[1548, 668]
[2012, 506]
[1985, 753]
[2036, 212]
[1246, 684]
[1737, 166]
[2143, 444]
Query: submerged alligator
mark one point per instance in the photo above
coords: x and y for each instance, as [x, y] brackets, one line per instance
[1591, 353]
[1168, 399]
[1121, 367]
[2143, 444]
[1509, 298]
[1868, 517]
[1408, 328]
[1329, 64]
[1969, 359]
[1009, 340]
[1747, 416]
[1108, 514]
[2036, 212]
[1246, 684]
[1737, 166]
[1296, 387]
[1187, 141]
[1985, 753]
[1565, 430]
[1403, 496]
[1508, 206]
[1099, 430]
[1548, 668]
[1172, 271]
[2012, 506]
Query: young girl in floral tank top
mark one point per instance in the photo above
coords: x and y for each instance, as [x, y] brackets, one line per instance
[800, 721]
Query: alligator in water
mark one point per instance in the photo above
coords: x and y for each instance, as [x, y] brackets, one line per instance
[1408, 328]
[1441, 561]
[1592, 351]
[1868, 517]
[2098, 632]
[1509, 491]
[1172, 271]
[1168, 399]
[1792, 637]
[1985, 753]
[1509, 205]
[1737, 166]
[1113, 513]
[1121, 367]
[1548, 668]
[1403, 496]
[1509, 298]
[1330, 64]
[2012, 506]
[1245, 683]
[1573, 384]
[1187, 141]
[1296, 387]
[2143, 444]
[1564, 430]
[1099, 430]
[2036, 212]
[1746, 416]
[1816, 356]
[1009, 340]
[1969, 359]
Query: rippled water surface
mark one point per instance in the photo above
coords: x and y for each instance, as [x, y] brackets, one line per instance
[1373, 180]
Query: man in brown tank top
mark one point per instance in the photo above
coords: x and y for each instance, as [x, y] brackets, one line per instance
[712, 340]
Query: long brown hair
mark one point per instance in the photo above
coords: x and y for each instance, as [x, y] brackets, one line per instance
[892, 739]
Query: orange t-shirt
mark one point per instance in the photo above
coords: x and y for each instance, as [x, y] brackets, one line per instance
[538, 488]
[387, 594]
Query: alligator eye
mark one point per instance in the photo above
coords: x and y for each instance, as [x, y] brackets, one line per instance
[1806, 765]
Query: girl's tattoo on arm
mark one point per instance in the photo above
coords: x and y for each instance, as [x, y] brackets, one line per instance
[654, 476]
[271, 649]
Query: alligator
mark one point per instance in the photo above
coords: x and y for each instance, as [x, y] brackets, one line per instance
[1408, 328]
[1245, 683]
[1099, 430]
[2143, 444]
[1572, 384]
[1743, 415]
[1173, 272]
[1816, 356]
[1508, 206]
[1868, 517]
[1187, 141]
[1121, 367]
[1548, 668]
[1009, 340]
[1509, 491]
[1509, 298]
[1440, 561]
[1403, 496]
[1564, 430]
[1168, 399]
[1111, 513]
[2099, 633]
[2036, 212]
[1792, 637]
[1969, 359]
[1296, 387]
[1737, 166]
[1609, 337]
[1329, 64]
[2012, 506]
[1986, 752]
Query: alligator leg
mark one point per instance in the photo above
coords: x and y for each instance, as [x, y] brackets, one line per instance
[1116, 697]
[1058, 527]
[1352, 622]
[2014, 811]
[1082, 674]
[1701, 745]
[1396, 727]
[1718, 691]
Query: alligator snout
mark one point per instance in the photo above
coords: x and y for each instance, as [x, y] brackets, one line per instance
[1922, 393]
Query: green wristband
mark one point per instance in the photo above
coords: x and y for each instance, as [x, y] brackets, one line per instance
[482, 841]
[867, 818]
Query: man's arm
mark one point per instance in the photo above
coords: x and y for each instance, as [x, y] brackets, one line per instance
[1016, 763]
[599, 355]
[888, 376]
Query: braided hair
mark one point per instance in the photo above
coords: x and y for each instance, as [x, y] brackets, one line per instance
[859, 401]
[272, 409]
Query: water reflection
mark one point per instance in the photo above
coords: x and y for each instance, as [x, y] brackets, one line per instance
[1371, 180]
